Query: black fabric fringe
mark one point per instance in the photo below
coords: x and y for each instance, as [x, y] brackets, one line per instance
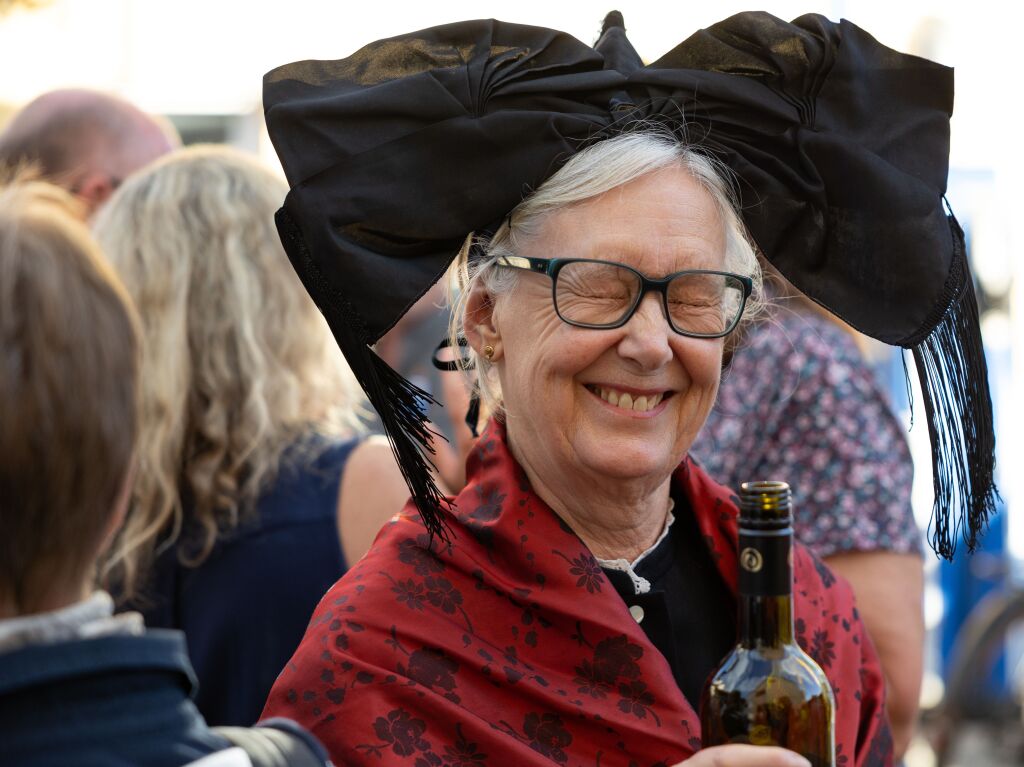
[401, 405]
[954, 384]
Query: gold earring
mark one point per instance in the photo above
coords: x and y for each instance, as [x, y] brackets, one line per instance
[488, 351]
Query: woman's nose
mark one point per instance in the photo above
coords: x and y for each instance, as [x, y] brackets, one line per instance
[646, 340]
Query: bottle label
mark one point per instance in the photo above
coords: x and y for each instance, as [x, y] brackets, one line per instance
[766, 562]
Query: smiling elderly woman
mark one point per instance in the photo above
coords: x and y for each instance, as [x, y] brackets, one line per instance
[606, 360]
[588, 589]
[568, 604]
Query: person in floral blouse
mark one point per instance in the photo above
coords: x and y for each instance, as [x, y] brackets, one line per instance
[799, 402]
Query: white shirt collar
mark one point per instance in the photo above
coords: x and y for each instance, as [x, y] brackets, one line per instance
[640, 584]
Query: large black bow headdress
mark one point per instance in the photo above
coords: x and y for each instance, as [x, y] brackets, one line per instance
[840, 147]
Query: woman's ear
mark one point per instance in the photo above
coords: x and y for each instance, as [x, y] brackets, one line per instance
[480, 327]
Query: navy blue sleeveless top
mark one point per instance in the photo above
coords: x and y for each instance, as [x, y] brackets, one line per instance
[245, 608]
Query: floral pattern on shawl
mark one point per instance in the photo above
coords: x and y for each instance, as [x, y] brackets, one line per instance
[508, 646]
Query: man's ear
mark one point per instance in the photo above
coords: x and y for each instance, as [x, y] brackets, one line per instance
[94, 189]
[480, 327]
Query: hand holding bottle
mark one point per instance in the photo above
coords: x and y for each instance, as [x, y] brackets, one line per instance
[738, 755]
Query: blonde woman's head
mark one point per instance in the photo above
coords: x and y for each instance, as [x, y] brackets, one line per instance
[238, 364]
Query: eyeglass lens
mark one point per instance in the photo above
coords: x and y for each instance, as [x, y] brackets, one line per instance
[601, 294]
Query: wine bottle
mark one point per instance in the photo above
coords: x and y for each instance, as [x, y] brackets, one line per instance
[768, 691]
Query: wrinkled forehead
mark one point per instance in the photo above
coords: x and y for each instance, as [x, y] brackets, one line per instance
[659, 225]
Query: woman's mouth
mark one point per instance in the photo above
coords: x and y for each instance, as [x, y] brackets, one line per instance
[624, 400]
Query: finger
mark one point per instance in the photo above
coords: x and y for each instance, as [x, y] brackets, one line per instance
[452, 459]
[447, 461]
[739, 755]
[455, 390]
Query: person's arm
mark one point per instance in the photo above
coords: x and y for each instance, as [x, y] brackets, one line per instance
[372, 491]
[889, 588]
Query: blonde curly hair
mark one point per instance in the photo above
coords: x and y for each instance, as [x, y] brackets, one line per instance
[238, 364]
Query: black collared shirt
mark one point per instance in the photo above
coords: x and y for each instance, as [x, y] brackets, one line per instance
[689, 614]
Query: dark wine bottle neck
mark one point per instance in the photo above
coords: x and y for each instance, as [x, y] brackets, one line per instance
[765, 621]
[765, 587]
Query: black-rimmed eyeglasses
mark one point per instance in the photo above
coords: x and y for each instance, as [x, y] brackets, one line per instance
[699, 303]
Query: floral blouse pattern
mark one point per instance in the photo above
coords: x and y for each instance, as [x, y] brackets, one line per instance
[799, 404]
[510, 647]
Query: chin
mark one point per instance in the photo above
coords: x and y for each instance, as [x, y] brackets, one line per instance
[628, 460]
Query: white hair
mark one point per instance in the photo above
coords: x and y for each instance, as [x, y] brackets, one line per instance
[601, 167]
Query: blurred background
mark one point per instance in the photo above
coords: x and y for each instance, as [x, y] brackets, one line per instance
[200, 63]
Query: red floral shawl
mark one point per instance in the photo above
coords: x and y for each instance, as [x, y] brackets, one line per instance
[511, 648]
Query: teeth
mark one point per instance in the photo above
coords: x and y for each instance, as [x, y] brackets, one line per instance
[641, 404]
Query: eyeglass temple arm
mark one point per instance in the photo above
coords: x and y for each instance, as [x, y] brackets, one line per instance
[540, 265]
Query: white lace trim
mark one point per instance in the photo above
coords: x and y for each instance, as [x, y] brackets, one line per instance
[640, 584]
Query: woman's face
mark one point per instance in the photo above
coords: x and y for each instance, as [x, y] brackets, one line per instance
[556, 378]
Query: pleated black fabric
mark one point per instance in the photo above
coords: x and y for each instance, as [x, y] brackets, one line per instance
[839, 147]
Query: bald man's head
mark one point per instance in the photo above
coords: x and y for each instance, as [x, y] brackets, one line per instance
[88, 142]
